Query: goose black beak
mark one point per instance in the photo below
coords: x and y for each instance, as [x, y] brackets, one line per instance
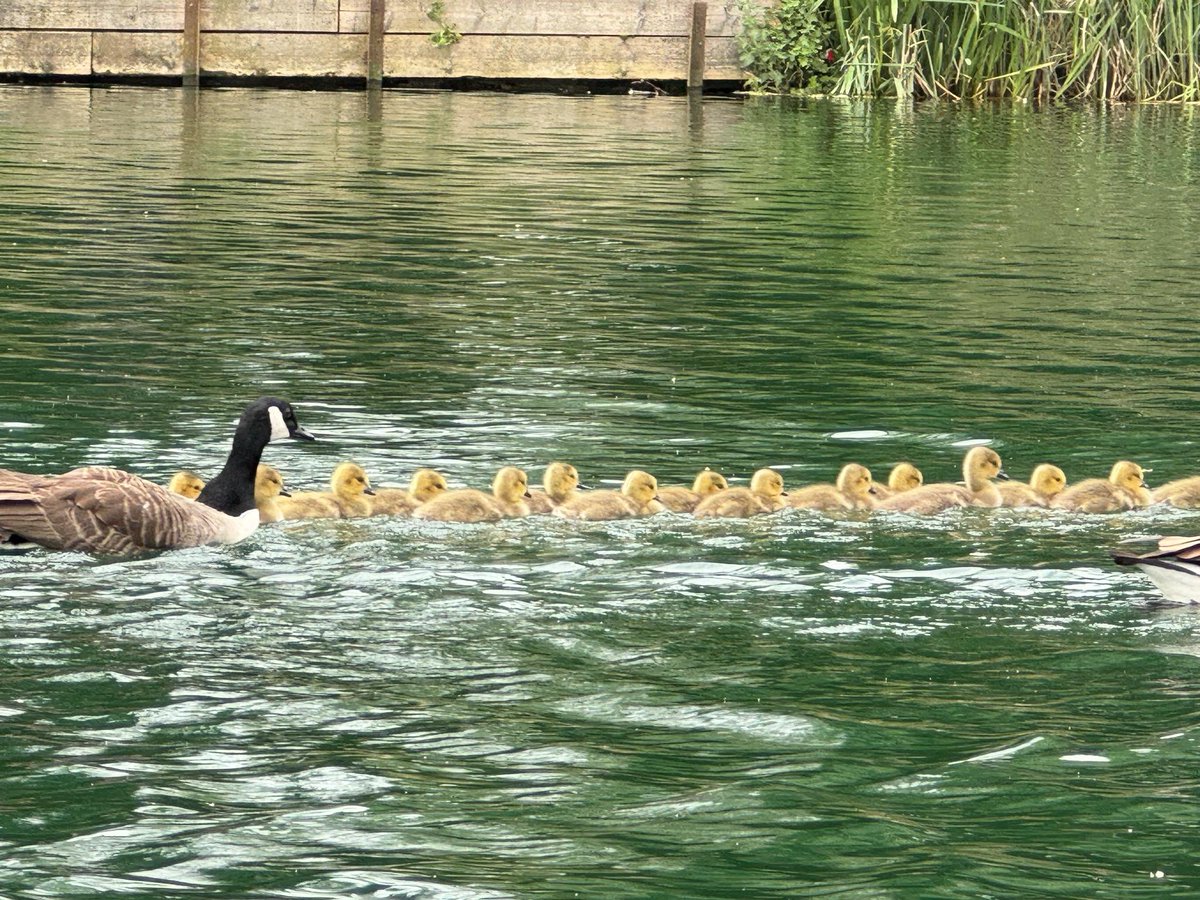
[527, 495]
[1002, 475]
[583, 487]
[284, 494]
[302, 434]
[368, 492]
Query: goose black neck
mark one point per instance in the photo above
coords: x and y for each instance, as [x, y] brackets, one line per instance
[232, 491]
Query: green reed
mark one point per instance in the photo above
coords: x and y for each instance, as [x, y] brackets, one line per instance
[974, 49]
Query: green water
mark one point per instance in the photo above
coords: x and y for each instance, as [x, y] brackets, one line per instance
[979, 705]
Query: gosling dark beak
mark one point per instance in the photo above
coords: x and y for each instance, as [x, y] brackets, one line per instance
[783, 493]
[871, 490]
[1002, 475]
[283, 493]
[580, 486]
[302, 434]
[368, 492]
[527, 495]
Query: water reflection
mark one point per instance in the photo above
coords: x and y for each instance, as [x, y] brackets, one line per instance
[857, 704]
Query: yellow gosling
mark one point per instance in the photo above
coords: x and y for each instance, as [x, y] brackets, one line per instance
[685, 500]
[560, 483]
[903, 477]
[268, 488]
[637, 497]
[186, 484]
[854, 489]
[765, 495]
[510, 490]
[423, 487]
[980, 466]
[1184, 493]
[351, 489]
[1124, 489]
[347, 497]
[1046, 483]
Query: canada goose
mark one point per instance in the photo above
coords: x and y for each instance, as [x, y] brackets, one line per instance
[510, 489]
[980, 465]
[1046, 483]
[108, 511]
[1125, 488]
[425, 485]
[1174, 566]
[560, 483]
[268, 488]
[186, 484]
[637, 497]
[685, 500]
[1184, 493]
[346, 498]
[853, 490]
[765, 495]
[903, 477]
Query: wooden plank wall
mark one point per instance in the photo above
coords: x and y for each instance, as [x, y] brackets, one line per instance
[502, 39]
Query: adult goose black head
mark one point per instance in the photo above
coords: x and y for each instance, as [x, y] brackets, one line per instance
[108, 511]
[265, 420]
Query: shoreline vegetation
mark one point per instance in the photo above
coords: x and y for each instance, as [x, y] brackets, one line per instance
[1106, 50]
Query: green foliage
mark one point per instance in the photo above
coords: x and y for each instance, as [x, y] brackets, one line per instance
[783, 46]
[975, 49]
[1028, 49]
[446, 34]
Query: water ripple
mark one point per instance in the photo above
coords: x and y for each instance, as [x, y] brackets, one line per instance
[864, 705]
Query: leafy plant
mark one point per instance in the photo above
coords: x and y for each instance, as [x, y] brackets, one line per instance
[975, 49]
[1021, 49]
[446, 34]
[785, 47]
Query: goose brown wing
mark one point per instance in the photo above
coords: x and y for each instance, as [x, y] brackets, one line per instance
[101, 510]
[21, 513]
[1181, 547]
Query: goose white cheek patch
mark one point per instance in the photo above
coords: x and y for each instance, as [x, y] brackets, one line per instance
[279, 429]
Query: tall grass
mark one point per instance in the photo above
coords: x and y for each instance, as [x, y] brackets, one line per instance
[1029, 49]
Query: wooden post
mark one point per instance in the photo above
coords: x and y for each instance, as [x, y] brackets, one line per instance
[191, 43]
[696, 46]
[375, 27]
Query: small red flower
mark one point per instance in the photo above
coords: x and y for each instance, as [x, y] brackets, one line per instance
[830, 56]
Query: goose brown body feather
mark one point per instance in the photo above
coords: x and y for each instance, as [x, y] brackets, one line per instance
[109, 512]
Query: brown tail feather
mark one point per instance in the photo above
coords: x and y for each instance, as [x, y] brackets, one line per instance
[21, 514]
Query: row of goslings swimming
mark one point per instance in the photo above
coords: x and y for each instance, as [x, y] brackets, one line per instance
[428, 495]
